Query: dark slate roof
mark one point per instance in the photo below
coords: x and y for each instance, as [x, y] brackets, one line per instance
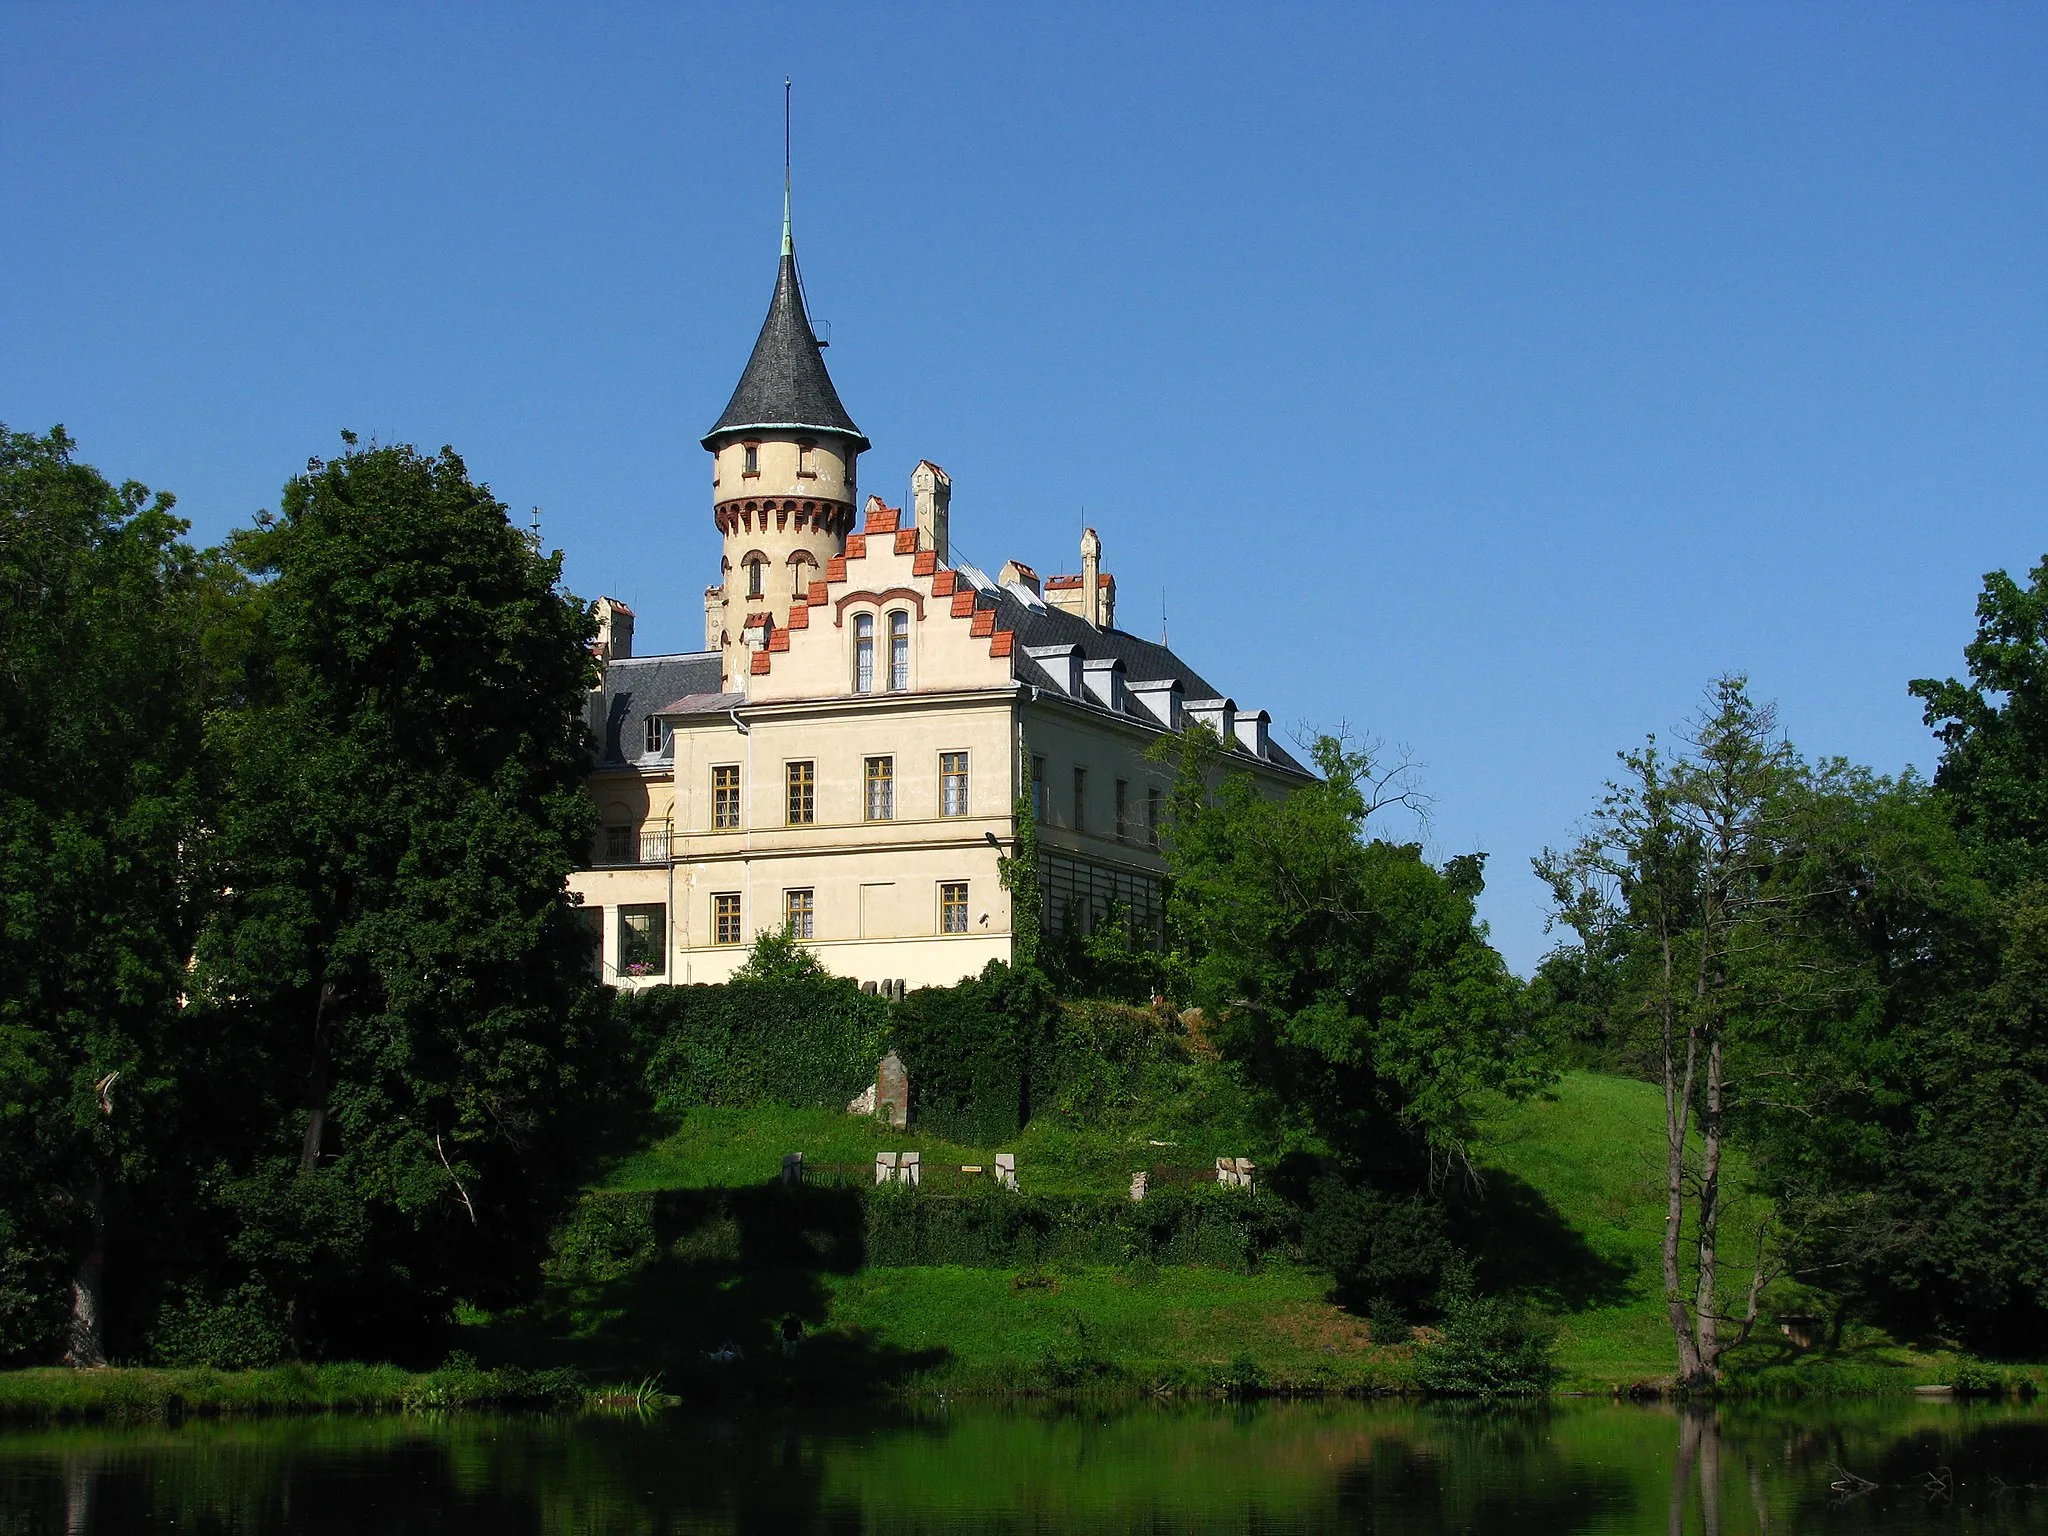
[1143, 661]
[786, 384]
[636, 687]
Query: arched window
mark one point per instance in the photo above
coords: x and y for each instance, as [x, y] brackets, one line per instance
[899, 649]
[756, 566]
[802, 568]
[864, 653]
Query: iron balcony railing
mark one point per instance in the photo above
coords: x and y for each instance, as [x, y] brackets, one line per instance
[624, 847]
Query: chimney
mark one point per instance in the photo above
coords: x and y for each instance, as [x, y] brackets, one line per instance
[1091, 579]
[931, 502]
[1020, 573]
[614, 629]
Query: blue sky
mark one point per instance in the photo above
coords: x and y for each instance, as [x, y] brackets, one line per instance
[1483, 378]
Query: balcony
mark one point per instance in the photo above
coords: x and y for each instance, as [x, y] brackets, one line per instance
[630, 847]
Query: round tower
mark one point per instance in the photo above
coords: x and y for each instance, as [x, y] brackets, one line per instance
[783, 475]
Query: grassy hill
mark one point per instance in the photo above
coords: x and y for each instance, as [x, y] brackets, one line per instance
[1571, 1215]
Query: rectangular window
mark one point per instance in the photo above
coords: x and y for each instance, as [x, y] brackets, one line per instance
[1080, 799]
[806, 460]
[799, 913]
[952, 783]
[657, 734]
[864, 653]
[881, 781]
[899, 650]
[621, 845]
[1038, 788]
[725, 917]
[725, 797]
[590, 923]
[953, 907]
[803, 794]
[1123, 810]
[1152, 817]
[642, 940]
[752, 463]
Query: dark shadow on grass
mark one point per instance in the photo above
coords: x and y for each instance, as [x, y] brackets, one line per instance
[1522, 1243]
[701, 1298]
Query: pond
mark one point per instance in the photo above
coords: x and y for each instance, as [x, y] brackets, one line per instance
[1895, 1466]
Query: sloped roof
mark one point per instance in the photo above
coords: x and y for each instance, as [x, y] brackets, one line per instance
[785, 385]
[1143, 661]
[634, 688]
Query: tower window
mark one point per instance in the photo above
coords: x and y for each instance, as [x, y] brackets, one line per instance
[751, 465]
[952, 783]
[807, 460]
[881, 785]
[755, 568]
[864, 653]
[801, 568]
[899, 650]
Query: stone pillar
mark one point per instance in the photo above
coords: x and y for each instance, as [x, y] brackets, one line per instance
[892, 1091]
[1140, 1182]
[792, 1169]
[885, 1167]
[1006, 1170]
[907, 1169]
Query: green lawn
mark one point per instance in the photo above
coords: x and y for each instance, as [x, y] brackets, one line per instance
[1571, 1215]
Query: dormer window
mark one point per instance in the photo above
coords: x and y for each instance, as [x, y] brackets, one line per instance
[750, 463]
[657, 734]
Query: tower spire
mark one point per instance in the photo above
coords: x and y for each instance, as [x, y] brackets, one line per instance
[788, 245]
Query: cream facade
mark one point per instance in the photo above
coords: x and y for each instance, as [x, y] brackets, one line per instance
[847, 756]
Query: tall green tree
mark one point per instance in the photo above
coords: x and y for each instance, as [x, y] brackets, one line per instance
[406, 1013]
[103, 790]
[1676, 878]
[1352, 980]
[1993, 728]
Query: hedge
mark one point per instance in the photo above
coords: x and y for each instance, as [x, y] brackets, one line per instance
[615, 1235]
[809, 1041]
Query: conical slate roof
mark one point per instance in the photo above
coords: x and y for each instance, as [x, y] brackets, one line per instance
[786, 385]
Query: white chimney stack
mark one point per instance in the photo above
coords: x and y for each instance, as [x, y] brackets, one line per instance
[931, 506]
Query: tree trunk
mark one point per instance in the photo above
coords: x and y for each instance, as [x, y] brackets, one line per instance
[1677, 1117]
[318, 1085]
[88, 1349]
[1706, 1305]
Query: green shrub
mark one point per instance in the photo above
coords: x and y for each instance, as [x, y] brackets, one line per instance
[462, 1383]
[1212, 1228]
[1378, 1246]
[1387, 1323]
[240, 1331]
[808, 1040]
[977, 1053]
[1487, 1347]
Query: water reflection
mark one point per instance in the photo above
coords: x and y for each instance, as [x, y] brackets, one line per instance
[1390, 1468]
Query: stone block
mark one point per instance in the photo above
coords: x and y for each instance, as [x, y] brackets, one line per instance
[907, 1169]
[1140, 1182]
[862, 1103]
[792, 1168]
[892, 1091]
[1006, 1170]
[885, 1167]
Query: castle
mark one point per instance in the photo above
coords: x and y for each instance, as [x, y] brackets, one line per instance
[849, 753]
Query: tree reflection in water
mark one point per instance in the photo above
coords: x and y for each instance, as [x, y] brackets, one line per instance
[1394, 1468]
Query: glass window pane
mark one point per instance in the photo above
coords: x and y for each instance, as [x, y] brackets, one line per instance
[881, 788]
[799, 912]
[643, 933]
[725, 917]
[953, 907]
[952, 783]
[803, 794]
[899, 650]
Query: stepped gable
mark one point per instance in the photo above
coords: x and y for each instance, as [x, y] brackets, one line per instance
[785, 386]
[635, 687]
